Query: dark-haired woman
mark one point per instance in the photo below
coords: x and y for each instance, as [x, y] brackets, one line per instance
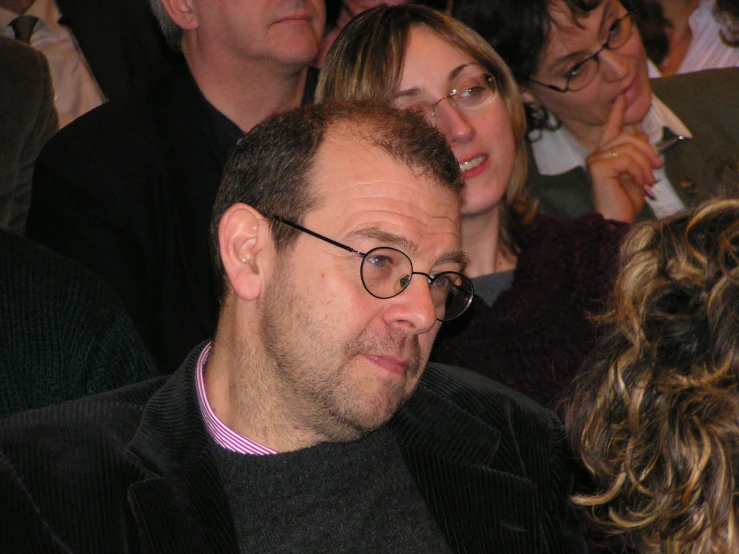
[603, 137]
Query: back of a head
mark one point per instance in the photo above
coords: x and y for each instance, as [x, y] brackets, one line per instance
[656, 420]
[273, 167]
[171, 31]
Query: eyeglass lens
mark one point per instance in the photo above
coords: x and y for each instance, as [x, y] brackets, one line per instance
[467, 93]
[583, 73]
[386, 272]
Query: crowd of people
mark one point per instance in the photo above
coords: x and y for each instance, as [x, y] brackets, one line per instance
[435, 276]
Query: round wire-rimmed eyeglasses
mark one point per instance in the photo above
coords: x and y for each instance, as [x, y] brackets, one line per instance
[386, 272]
[583, 72]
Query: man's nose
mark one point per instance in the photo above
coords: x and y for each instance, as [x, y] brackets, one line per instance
[413, 310]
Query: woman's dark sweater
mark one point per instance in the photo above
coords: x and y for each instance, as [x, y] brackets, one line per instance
[536, 335]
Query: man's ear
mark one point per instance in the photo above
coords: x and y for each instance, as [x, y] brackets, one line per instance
[182, 13]
[245, 243]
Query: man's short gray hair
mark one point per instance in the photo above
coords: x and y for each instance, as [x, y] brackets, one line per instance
[171, 31]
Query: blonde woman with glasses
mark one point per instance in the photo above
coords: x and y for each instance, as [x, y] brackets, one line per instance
[537, 278]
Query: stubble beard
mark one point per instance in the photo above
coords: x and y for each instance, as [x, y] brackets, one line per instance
[312, 368]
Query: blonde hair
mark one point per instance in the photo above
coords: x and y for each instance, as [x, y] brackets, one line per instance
[366, 63]
[656, 421]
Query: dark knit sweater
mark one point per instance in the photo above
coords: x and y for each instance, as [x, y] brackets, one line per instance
[538, 332]
[333, 497]
[63, 334]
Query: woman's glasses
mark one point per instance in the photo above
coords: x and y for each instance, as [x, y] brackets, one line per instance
[583, 73]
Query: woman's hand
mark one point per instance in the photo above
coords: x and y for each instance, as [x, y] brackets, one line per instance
[620, 168]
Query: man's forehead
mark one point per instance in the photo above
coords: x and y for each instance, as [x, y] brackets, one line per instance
[348, 152]
[364, 192]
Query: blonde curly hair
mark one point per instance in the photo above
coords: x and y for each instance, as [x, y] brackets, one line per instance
[656, 420]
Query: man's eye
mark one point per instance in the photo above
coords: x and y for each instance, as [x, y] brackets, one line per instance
[442, 282]
[379, 261]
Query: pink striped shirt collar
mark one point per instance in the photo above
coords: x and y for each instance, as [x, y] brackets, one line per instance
[225, 437]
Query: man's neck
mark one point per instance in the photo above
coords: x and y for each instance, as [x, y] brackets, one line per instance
[16, 6]
[247, 94]
[245, 398]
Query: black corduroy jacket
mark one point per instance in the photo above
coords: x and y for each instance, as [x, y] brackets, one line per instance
[130, 471]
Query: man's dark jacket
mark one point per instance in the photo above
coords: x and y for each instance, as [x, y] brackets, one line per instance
[127, 190]
[120, 40]
[132, 471]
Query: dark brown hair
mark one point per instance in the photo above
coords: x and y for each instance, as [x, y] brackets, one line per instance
[519, 32]
[273, 167]
[656, 420]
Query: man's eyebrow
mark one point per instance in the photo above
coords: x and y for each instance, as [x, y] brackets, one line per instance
[458, 257]
[452, 75]
[386, 238]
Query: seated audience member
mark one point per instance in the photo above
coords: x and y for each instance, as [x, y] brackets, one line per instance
[601, 139]
[96, 50]
[537, 278]
[64, 334]
[340, 12]
[128, 189]
[311, 422]
[681, 36]
[656, 421]
[27, 120]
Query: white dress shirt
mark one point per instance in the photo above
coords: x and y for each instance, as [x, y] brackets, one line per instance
[76, 90]
[557, 152]
[706, 50]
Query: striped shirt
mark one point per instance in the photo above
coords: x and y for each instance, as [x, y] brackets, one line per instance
[219, 432]
[706, 50]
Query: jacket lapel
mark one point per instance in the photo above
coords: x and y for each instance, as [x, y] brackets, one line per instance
[181, 506]
[471, 480]
[694, 167]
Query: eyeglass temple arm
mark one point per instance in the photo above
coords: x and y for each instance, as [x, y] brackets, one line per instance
[314, 234]
[553, 87]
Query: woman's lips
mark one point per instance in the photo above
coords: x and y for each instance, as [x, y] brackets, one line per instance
[473, 167]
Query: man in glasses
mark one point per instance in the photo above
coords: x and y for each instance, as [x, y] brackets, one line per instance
[310, 423]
